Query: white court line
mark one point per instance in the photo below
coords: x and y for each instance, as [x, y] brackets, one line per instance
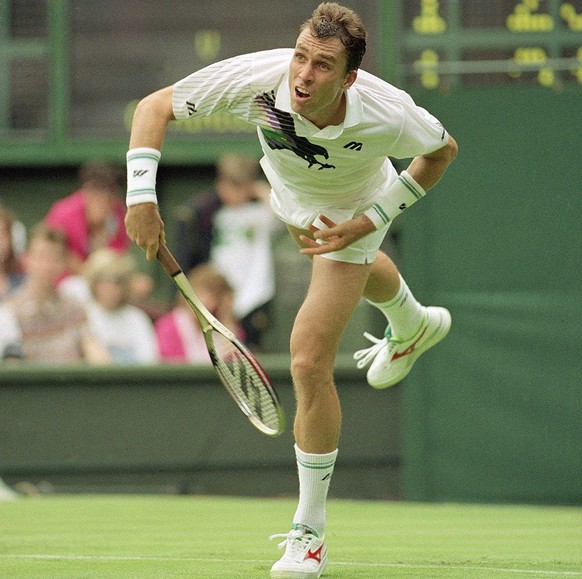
[539, 572]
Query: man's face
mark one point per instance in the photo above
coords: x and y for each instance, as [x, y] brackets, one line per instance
[318, 78]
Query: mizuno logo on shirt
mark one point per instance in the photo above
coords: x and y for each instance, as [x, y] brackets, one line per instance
[354, 146]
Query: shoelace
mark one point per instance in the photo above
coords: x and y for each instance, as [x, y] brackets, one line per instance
[366, 355]
[290, 537]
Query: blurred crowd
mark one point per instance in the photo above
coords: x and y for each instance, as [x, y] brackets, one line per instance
[72, 291]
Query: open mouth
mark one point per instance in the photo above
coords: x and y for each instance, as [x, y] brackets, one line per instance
[301, 94]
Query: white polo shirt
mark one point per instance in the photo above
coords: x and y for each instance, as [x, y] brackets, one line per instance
[340, 170]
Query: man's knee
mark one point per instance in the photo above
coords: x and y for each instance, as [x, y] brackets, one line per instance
[309, 369]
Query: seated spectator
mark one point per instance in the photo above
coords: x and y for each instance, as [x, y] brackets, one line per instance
[6, 492]
[37, 324]
[11, 275]
[180, 339]
[91, 217]
[126, 331]
[142, 290]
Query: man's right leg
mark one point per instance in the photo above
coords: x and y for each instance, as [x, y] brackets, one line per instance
[333, 294]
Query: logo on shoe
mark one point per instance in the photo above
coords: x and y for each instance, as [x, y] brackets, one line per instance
[410, 348]
[314, 554]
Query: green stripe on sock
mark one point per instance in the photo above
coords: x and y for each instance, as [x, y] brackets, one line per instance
[143, 156]
[316, 466]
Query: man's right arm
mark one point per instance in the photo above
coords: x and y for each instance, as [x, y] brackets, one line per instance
[150, 120]
[151, 117]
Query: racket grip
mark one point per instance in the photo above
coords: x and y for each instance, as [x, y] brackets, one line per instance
[168, 261]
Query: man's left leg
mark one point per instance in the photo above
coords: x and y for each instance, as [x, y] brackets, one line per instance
[334, 292]
[412, 330]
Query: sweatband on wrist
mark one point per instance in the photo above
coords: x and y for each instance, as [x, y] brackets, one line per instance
[400, 195]
[142, 166]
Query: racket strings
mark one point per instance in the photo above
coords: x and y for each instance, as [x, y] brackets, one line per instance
[245, 383]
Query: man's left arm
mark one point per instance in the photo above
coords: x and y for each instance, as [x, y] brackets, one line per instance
[427, 170]
[423, 173]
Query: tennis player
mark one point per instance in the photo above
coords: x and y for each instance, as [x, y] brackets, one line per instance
[326, 129]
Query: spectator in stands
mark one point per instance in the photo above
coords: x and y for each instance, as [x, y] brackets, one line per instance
[231, 227]
[180, 339]
[126, 331]
[141, 289]
[37, 323]
[6, 492]
[11, 275]
[91, 217]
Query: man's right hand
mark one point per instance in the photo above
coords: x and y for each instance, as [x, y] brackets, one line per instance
[145, 227]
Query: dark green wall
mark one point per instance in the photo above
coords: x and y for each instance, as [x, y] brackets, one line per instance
[176, 429]
[495, 412]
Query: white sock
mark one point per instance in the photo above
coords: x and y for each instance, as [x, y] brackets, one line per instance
[403, 312]
[315, 472]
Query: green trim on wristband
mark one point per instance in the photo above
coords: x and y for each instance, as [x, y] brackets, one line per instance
[381, 213]
[416, 194]
[140, 191]
[131, 157]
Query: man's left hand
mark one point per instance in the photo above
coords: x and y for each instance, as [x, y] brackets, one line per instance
[336, 236]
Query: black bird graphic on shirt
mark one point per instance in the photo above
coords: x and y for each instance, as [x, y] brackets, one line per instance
[281, 134]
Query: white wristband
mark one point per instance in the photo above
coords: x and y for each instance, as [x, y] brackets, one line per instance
[142, 166]
[400, 195]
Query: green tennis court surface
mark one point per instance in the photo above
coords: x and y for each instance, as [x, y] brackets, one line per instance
[178, 536]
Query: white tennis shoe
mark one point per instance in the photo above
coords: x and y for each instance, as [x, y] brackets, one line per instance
[392, 358]
[305, 556]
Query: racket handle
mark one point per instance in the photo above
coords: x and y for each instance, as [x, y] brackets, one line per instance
[168, 261]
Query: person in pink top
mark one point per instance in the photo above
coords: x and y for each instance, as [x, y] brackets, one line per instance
[91, 217]
[179, 337]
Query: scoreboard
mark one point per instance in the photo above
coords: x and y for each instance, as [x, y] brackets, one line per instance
[72, 71]
[447, 43]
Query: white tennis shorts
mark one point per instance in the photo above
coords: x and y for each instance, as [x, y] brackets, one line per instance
[301, 216]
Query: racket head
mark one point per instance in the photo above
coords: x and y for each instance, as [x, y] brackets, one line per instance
[246, 381]
[237, 368]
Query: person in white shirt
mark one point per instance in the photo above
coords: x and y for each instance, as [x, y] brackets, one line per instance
[326, 130]
[232, 226]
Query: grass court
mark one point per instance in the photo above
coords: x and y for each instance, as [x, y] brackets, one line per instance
[159, 536]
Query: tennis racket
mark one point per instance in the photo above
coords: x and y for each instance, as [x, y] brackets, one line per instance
[238, 370]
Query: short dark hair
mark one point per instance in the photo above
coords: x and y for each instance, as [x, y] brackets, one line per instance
[100, 174]
[330, 20]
